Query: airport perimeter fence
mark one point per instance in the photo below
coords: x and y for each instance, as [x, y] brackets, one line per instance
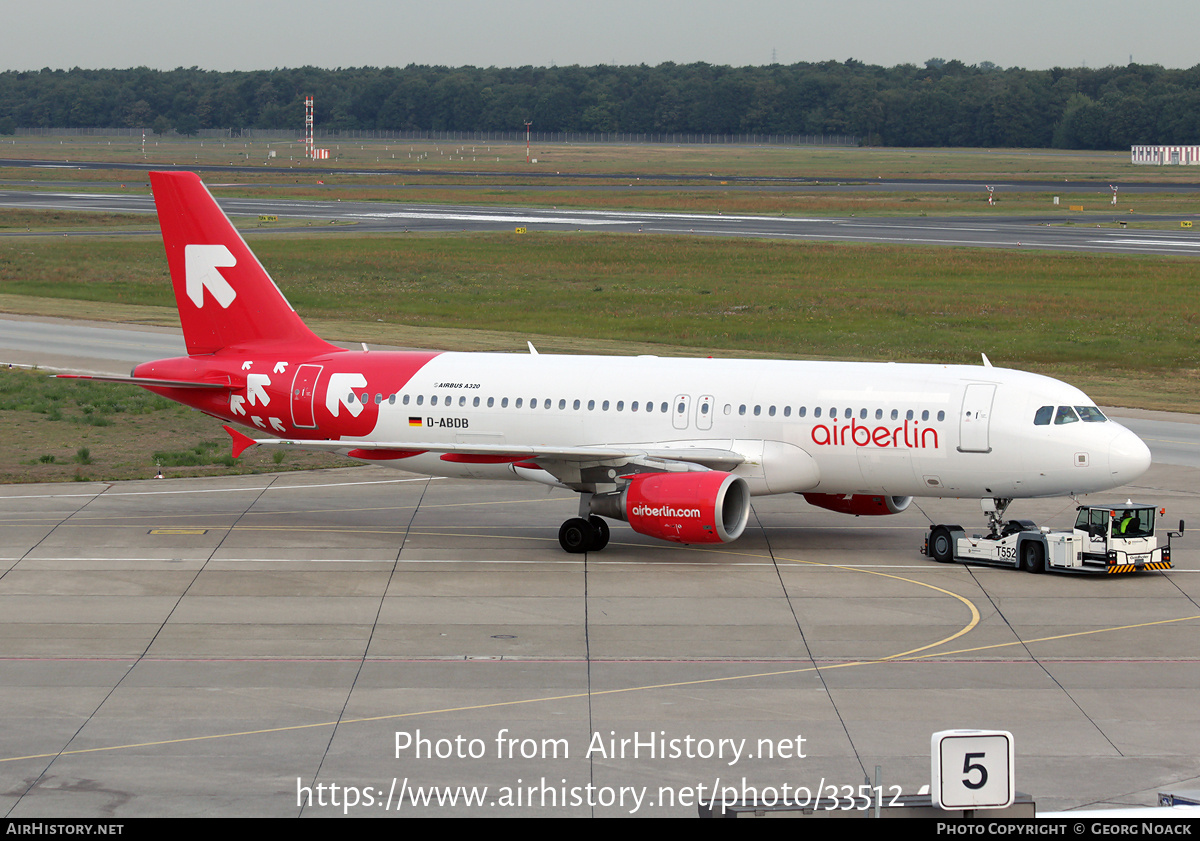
[588, 137]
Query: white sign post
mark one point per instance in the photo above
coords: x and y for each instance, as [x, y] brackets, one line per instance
[972, 769]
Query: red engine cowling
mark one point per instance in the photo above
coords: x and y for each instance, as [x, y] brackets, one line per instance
[702, 507]
[859, 504]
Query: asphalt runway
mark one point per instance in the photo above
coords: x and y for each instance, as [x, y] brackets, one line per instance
[1046, 233]
[364, 641]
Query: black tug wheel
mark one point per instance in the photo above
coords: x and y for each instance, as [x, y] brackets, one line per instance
[941, 547]
[1033, 559]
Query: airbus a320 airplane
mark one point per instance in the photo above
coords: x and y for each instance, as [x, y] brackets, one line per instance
[675, 447]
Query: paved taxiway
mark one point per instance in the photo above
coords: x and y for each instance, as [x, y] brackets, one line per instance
[371, 217]
[204, 647]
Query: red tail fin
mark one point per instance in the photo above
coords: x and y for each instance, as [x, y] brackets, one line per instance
[225, 297]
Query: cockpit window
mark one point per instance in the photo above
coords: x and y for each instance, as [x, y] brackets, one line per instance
[1065, 414]
[1042, 418]
[1090, 414]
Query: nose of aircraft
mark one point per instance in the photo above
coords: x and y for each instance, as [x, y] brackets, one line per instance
[1128, 457]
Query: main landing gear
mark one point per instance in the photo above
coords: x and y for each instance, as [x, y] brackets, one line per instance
[578, 535]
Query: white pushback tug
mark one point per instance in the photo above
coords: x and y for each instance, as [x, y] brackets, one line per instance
[1105, 539]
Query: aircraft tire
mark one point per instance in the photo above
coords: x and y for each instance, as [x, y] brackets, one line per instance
[941, 545]
[1033, 557]
[600, 533]
[576, 535]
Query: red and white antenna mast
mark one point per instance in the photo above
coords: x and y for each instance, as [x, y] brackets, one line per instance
[308, 127]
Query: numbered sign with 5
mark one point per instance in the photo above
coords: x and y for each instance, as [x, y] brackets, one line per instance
[972, 769]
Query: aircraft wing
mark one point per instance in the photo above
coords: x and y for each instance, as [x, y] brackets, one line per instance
[706, 457]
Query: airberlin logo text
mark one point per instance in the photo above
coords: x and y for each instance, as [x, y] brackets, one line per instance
[910, 436]
[666, 511]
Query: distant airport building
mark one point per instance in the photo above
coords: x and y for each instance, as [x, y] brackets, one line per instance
[1160, 155]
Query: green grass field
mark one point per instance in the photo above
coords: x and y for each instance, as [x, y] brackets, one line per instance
[1125, 327]
[72, 430]
[602, 159]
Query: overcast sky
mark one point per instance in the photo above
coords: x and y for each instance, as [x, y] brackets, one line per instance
[262, 34]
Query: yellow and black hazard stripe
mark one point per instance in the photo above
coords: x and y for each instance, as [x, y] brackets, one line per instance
[1119, 568]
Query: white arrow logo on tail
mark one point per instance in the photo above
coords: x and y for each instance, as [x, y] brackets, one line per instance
[277, 425]
[235, 404]
[281, 367]
[200, 266]
[338, 393]
[256, 388]
[258, 421]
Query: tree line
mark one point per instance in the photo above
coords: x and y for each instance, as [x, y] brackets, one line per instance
[943, 103]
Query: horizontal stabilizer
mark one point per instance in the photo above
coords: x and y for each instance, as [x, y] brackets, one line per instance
[241, 441]
[144, 381]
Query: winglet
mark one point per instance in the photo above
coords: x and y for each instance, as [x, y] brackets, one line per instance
[241, 441]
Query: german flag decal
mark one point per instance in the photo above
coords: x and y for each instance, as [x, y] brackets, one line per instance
[415, 422]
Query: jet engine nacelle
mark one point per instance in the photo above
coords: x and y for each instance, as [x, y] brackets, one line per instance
[702, 507]
[859, 504]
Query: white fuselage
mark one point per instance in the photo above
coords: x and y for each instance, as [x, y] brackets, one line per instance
[825, 427]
